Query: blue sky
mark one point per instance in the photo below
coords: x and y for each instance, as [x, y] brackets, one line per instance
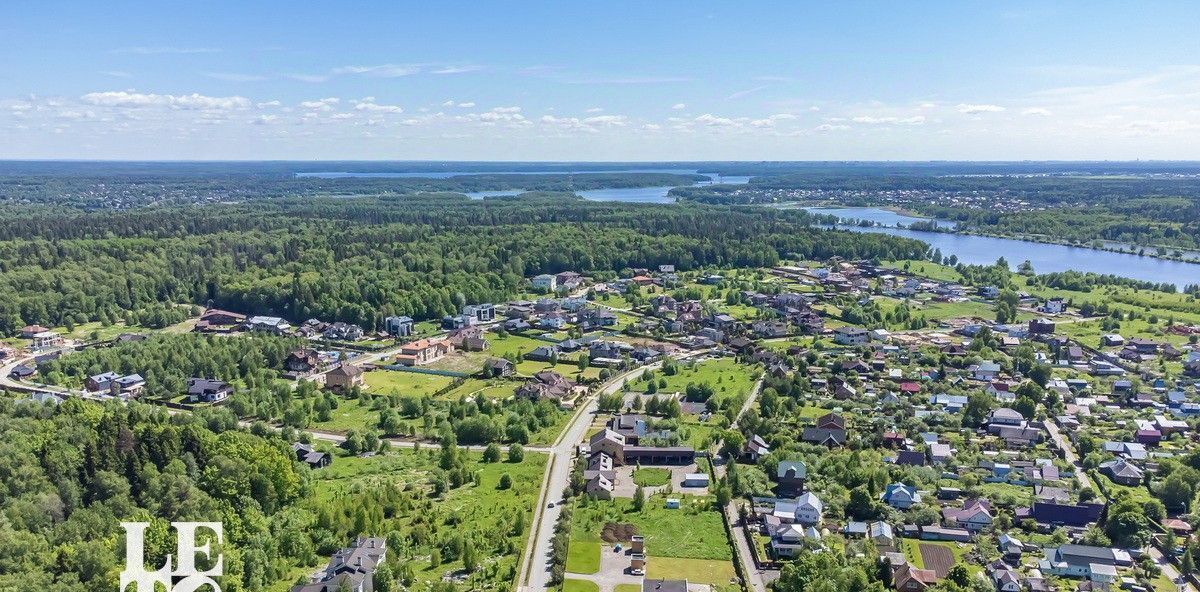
[600, 81]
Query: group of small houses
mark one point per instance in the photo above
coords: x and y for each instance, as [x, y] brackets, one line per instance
[795, 519]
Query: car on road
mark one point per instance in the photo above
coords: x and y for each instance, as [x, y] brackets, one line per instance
[550, 505]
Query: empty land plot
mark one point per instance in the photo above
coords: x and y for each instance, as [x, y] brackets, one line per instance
[937, 557]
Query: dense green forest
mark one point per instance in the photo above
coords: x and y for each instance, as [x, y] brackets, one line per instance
[166, 361]
[359, 260]
[1141, 210]
[122, 191]
[70, 474]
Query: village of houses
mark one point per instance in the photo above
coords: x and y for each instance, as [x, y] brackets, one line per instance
[1001, 447]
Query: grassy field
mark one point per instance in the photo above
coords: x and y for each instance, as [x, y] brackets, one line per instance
[570, 585]
[627, 588]
[481, 510]
[727, 377]
[583, 557]
[715, 573]
[703, 539]
[409, 384]
[652, 476]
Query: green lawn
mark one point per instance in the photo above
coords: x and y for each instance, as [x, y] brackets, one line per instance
[704, 538]
[627, 588]
[652, 476]
[570, 585]
[481, 511]
[414, 384]
[717, 573]
[728, 378]
[583, 557]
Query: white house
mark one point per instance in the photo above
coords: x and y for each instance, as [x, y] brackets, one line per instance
[809, 509]
[545, 282]
[850, 336]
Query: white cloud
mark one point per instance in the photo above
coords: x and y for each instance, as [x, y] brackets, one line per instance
[506, 109]
[971, 109]
[770, 121]
[712, 120]
[466, 105]
[457, 69]
[1036, 111]
[679, 106]
[268, 104]
[380, 71]
[595, 110]
[872, 120]
[192, 101]
[325, 104]
[264, 119]
[828, 127]
[369, 104]
[116, 73]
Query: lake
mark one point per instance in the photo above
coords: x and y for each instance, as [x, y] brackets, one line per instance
[625, 194]
[1045, 257]
[879, 216]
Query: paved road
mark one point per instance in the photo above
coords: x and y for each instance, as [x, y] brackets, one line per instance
[755, 575]
[1168, 569]
[537, 562]
[1068, 452]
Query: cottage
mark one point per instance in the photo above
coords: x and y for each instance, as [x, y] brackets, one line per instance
[544, 283]
[302, 361]
[344, 377]
[313, 458]
[400, 326]
[205, 390]
[901, 496]
[791, 475]
[423, 351]
[975, 515]
[850, 336]
[1122, 471]
[498, 368]
[546, 385]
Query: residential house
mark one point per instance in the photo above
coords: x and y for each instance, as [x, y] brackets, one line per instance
[482, 313]
[1081, 560]
[544, 283]
[302, 361]
[423, 351]
[1005, 416]
[975, 515]
[344, 377]
[311, 457]
[791, 475]
[498, 368]
[985, 371]
[546, 385]
[207, 390]
[830, 430]
[351, 568]
[1123, 472]
[398, 326]
[755, 448]
[850, 336]
[219, 321]
[128, 386]
[907, 578]
[901, 496]
[809, 508]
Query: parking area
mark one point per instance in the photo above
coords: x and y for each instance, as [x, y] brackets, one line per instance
[626, 487]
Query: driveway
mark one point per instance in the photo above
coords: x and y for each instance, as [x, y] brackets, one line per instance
[614, 569]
